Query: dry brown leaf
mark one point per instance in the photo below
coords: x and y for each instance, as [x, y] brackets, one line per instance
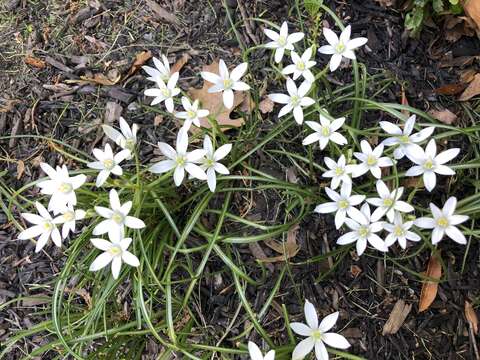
[20, 169]
[471, 316]
[472, 90]
[472, 9]
[35, 62]
[180, 63]
[288, 249]
[386, 3]
[444, 116]
[82, 293]
[467, 75]
[98, 79]
[397, 317]
[157, 120]
[451, 89]
[266, 106]
[430, 288]
[213, 102]
[9, 105]
[161, 12]
[355, 270]
[259, 254]
[140, 59]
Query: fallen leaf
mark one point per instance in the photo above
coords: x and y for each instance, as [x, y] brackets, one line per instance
[180, 63]
[472, 9]
[161, 12]
[35, 62]
[98, 79]
[471, 316]
[472, 90]
[157, 120]
[140, 59]
[397, 317]
[82, 293]
[113, 111]
[213, 102]
[467, 75]
[430, 288]
[451, 89]
[266, 106]
[444, 116]
[20, 169]
[259, 254]
[355, 270]
[288, 249]
[9, 105]
[386, 3]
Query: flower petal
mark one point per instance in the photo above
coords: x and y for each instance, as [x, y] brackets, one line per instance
[303, 348]
[335, 340]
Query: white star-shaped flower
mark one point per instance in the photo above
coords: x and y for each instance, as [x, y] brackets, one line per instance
[342, 204]
[210, 163]
[339, 171]
[282, 41]
[227, 82]
[60, 186]
[404, 138]
[161, 70]
[340, 47]
[116, 218]
[317, 334]
[301, 66]
[371, 160]
[44, 228]
[256, 354]
[363, 231]
[444, 222]
[165, 92]
[114, 252]
[295, 100]
[180, 160]
[68, 218]
[429, 163]
[325, 131]
[126, 139]
[192, 113]
[388, 202]
[107, 163]
[399, 231]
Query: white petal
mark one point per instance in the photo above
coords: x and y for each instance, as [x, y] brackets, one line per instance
[335, 341]
[330, 36]
[425, 223]
[430, 180]
[456, 235]
[31, 232]
[116, 267]
[228, 98]
[239, 71]
[196, 171]
[303, 348]
[102, 177]
[279, 98]
[134, 223]
[254, 351]
[101, 261]
[301, 329]
[101, 244]
[326, 208]
[327, 50]
[162, 166]
[102, 227]
[328, 322]
[321, 352]
[222, 151]
[310, 315]
[211, 179]
[210, 77]
[356, 43]
[447, 155]
[104, 212]
[130, 259]
[335, 61]
[390, 128]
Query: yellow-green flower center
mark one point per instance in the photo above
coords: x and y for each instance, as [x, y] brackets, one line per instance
[108, 164]
[404, 139]
[130, 144]
[117, 217]
[227, 83]
[166, 92]
[371, 160]
[115, 250]
[282, 40]
[387, 202]
[343, 204]
[316, 335]
[443, 222]
[301, 65]
[325, 131]
[191, 114]
[339, 171]
[65, 188]
[340, 47]
[209, 162]
[428, 164]
[363, 231]
[398, 231]
[181, 160]
[295, 100]
[47, 225]
[69, 216]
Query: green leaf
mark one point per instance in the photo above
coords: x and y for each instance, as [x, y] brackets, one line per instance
[313, 6]
[414, 19]
[437, 6]
[454, 2]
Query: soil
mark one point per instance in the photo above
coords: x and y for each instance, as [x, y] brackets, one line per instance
[88, 37]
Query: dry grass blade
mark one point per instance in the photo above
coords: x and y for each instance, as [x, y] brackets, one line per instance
[397, 317]
[471, 316]
[430, 288]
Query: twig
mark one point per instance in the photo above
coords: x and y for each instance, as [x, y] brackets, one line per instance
[248, 25]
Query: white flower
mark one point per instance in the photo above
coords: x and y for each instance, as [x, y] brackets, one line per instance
[388, 202]
[192, 113]
[363, 231]
[339, 171]
[295, 100]
[429, 163]
[107, 163]
[44, 228]
[317, 334]
[325, 131]
[60, 186]
[256, 354]
[301, 66]
[162, 71]
[116, 218]
[444, 222]
[371, 160]
[399, 231]
[227, 82]
[342, 204]
[165, 92]
[404, 138]
[68, 218]
[210, 163]
[340, 47]
[126, 139]
[282, 41]
[115, 252]
[180, 160]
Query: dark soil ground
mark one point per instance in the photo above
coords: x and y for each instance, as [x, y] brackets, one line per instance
[83, 37]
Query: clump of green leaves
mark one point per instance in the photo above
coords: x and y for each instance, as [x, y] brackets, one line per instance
[415, 19]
